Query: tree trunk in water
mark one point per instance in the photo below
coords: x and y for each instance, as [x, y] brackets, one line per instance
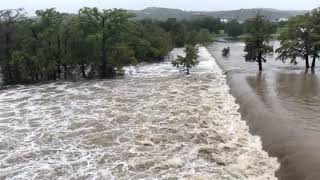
[93, 69]
[260, 65]
[83, 72]
[59, 70]
[103, 67]
[54, 76]
[260, 61]
[314, 62]
[8, 75]
[41, 75]
[65, 71]
[188, 71]
[59, 57]
[307, 62]
[32, 78]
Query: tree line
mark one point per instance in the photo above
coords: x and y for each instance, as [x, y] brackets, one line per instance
[300, 39]
[93, 43]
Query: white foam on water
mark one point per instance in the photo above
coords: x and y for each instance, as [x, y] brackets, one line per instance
[155, 69]
[153, 125]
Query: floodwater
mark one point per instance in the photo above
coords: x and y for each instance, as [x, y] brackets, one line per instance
[282, 105]
[153, 124]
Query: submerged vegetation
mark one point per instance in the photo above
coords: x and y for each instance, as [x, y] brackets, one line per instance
[226, 51]
[301, 39]
[257, 43]
[93, 43]
[189, 61]
[99, 43]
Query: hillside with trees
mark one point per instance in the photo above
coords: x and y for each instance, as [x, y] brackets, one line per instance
[163, 14]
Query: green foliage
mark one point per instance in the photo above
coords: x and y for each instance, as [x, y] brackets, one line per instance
[94, 43]
[189, 61]
[162, 14]
[213, 25]
[315, 20]
[122, 54]
[98, 43]
[204, 36]
[191, 32]
[257, 43]
[178, 31]
[301, 39]
[9, 20]
[108, 25]
[151, 42]
[234, 28]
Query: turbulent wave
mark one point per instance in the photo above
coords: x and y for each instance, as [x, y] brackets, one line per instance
[156, 126]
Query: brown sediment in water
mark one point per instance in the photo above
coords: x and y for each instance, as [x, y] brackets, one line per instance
[282, 105]
[159, 125]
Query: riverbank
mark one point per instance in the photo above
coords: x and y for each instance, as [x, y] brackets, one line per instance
[144, 126]
[281, 105]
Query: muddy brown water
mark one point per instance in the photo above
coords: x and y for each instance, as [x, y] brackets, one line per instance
[152, 124]
[281, 104]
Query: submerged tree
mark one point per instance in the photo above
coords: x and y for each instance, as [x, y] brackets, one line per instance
[234, 28]
[297, 40]
[226, 51]
[106, 24]
[51, 35]
[204, 36]
[122, 54]
[9, 20]
[56, 45]
[315, 20]
[189, 61]
[257, 43]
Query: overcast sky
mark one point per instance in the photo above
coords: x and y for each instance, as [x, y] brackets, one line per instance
[209, 5]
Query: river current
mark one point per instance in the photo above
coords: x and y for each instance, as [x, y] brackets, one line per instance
[153, 124]
[281, 105]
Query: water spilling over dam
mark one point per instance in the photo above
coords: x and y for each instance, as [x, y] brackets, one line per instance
[154, 124]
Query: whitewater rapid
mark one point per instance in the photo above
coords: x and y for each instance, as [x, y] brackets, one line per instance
[154, 124]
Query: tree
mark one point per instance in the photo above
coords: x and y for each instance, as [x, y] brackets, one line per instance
[226, 51]
[178, 31]
[56, 45]
[257, 43]
[106, 23]
[50, 34]
[150, 41]
[209, 23]
[192, 38]
[297, 40]
[81, 48]
[203, 36]
[315, 20]
[9, 20]
[122, 54]
[189, 61]
[234, 28]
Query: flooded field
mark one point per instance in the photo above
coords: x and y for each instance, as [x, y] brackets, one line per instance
[154, 124]
[282, 105]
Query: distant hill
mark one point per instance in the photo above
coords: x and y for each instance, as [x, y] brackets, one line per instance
[241, 14]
